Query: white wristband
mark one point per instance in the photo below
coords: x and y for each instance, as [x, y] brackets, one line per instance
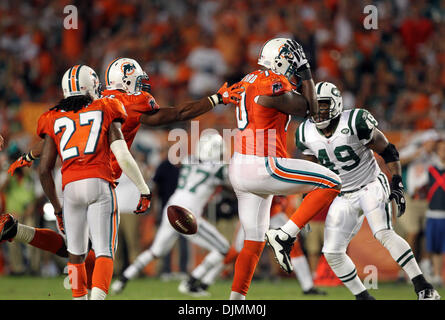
[214, 99]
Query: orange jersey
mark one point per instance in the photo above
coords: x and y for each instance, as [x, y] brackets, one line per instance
[262, 130]
[82, 138]
[135, 104]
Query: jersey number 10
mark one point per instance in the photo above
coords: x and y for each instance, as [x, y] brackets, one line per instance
[89, 118]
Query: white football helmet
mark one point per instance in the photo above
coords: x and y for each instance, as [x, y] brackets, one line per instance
[210, 147]
[328, 92]
[283, 56]
[126, 74]
[80, 80]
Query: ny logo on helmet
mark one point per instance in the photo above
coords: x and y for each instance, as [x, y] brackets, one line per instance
[128, 69]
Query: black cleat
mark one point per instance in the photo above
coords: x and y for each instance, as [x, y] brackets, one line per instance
[428, 294]
[364, 296]
[315, 291]
[281, 244]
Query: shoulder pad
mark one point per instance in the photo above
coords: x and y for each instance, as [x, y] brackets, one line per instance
[273, 84]
[363, 123]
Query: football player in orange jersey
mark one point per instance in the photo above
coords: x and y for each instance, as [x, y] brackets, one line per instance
[84, 130]
[260, 167]
[127, 82]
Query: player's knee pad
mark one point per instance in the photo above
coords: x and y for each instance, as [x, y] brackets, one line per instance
[335, 258]
[385, 236]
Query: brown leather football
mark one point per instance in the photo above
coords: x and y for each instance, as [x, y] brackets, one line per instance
[182, 220]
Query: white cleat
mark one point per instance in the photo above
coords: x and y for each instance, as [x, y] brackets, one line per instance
[428, 294]
[117, 287]
[281, 244]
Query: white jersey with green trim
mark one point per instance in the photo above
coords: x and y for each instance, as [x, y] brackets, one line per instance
[345, 152]
[196, 184]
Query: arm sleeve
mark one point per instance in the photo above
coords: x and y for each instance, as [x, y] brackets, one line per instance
[129, 165]
[146, 105]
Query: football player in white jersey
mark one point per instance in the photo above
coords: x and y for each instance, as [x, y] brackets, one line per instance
[344, 141]
[199, 177]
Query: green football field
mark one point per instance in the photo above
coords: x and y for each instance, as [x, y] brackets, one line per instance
[36, 288]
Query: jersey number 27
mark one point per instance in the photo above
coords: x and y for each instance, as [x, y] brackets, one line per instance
[89, 118]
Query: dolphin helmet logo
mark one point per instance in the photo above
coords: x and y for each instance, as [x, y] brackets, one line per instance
[128, 68]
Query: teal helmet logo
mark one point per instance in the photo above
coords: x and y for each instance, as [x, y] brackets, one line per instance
[128, 69]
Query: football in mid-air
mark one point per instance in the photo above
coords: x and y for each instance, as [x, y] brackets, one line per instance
[182, 220]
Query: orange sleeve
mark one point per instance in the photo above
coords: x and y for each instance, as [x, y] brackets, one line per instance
[43, 125]
[143, 103]
[274, 85]
[150, 102]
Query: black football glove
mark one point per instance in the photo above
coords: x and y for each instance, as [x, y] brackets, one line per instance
[397, 193]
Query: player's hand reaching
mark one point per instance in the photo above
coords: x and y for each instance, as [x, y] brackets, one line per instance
[24, 161]
[60, 224]
[144, 204]
[230, 94]
[397, 193]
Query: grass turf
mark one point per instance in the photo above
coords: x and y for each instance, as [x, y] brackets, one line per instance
[37, 288]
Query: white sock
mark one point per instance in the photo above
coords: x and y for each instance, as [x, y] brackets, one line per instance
[345, 270]
[25, 234]
[237, 296]
[400, 251]
[211, 259]
[85, 297]
[290, 228]
[209, 277]
[136, 267]
[303, 272]
[98, 294]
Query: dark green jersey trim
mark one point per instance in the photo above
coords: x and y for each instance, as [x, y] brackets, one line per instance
[361, 125]
[300, 145]
[351, 115]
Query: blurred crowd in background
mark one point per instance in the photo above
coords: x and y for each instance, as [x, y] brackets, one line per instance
[189, 48]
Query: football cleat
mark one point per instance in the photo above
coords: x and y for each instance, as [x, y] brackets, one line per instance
[428, 294]
[315, 291]
[8, 227]
[192, 287]
[119, 285]
[281, 244]
[364, 295]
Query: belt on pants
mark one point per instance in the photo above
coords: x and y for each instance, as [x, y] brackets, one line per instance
[342, 193]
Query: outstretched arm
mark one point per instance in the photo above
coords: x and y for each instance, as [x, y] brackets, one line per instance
[27, 158]
[192, 109]
[183, 112]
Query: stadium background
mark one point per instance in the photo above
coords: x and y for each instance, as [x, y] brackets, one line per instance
[189, 48]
